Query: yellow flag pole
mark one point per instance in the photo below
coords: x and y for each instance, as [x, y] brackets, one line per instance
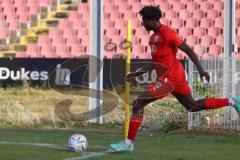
[127, 84]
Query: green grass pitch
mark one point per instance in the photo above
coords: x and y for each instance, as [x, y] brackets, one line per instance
[26, 144]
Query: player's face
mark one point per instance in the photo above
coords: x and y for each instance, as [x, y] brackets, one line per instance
[148, 24]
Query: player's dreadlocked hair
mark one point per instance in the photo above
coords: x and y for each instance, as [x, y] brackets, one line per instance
[151, 12]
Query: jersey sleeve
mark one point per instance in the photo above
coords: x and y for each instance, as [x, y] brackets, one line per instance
[173, 37]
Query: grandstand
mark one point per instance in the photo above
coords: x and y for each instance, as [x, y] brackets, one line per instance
[45, 28]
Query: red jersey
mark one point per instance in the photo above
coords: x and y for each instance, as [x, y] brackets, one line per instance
[163, 45]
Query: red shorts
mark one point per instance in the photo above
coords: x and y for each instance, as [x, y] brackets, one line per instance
[173, 82]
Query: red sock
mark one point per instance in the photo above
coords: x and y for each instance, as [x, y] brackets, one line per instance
[212, 103]
[134, 124]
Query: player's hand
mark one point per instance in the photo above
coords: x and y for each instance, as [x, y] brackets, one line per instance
[206, 75]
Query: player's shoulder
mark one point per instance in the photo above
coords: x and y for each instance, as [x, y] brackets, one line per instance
[167, 29]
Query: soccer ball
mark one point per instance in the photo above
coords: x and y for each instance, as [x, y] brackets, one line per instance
[77, 143]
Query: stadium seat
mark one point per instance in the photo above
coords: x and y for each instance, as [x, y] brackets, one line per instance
[192, 41]
[218, 6]
[213, 31]
[185, 31]
[206, 22]
[215, 50]
[206, 40]
[64, 23]
[213, 14]
[59, 40]
[62, 51]
[47, 51]
[192, 6]
[165, 21]
[177, 23]
[178, 6]
[43, 40]
[4, 33]
[73, 15]
[72, 40]
[192, 23]
[128, 15]
[219, 40]
[219, 22]
[54, 32]
[13, 26]
[69, 32]
[34, 9]
[199, 31]
[238, 40]
[165, 7]
[198, 14]
[205, 6]
[23, 17]
[200, 50]
[21, 55]
[77, 50]
[237, 21]
[184, 14]
[45, 3]
[170, 14]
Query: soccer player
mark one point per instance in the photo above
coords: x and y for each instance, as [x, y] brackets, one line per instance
[164, 43]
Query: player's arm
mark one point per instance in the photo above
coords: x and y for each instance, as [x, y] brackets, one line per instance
[192, 55]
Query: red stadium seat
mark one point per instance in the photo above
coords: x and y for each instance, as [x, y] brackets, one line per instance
[165, 7]
[219, 22]
[178, 6]
[170, 14]
[165, 21]
[206, 6]
[34, 9]
[23, 17]
[213, 14]
[47, 51]
[4, 33]
[177, 23]
[185, 31]
[192, 23]
[13, 26]
[128, 15]
[238, 40]
[237, 21]
[206, 22]
[198, 14]
[69, 32]
[54, 32]
[72, 40]
[192, 6]
[58, 41]
[43, 39]
[77, 50]
[200, 50]
[63, 51]
[215, 50]
[218, 6]
[206, 40]
[219, 40]
[199, 31]
[192, 41]
[184, 14]
[21, 55]
[73, 15]
[45, 3]
[213, 31]
[64, 23]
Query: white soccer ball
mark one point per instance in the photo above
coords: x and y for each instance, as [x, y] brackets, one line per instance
[77, 143]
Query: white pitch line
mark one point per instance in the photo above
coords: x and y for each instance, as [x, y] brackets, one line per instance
[90, 155]
[62, 147]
